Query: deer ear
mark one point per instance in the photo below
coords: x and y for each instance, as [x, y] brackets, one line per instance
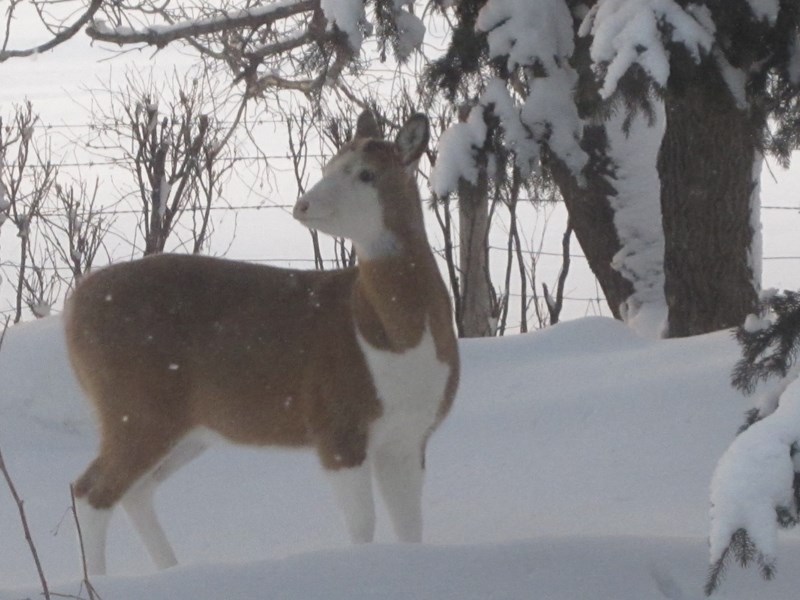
[367, 126]
[412, 140]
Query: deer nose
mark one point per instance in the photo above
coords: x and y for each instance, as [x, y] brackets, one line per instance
[300, 208]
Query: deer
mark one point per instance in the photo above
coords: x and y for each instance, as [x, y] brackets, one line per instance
[177, 352]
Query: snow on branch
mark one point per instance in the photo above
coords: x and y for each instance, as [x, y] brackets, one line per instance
[347, 16]
[459, 148]
[766, 10]
[636, 32]
[770, 341]
[536, 39]
[753, 491]
[161, 35]
[531, 34]
[59, 38]
[756, 485]
[519, 138]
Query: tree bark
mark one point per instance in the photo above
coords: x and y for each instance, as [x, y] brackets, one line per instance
[473, 213]
[706, 169]
[592, 218]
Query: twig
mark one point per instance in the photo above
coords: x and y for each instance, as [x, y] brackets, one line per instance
[93, 595]
[24, 519]
[20, 503]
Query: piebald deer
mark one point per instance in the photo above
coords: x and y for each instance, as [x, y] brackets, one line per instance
[360, 364]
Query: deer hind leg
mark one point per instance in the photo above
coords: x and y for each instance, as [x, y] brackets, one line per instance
[399, 471]
[97, 493]
[93, 515]
[138, 501]
[111, 476]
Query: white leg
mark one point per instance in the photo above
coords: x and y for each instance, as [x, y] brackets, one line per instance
[94, 525]
[138, 503]
[182, 454]
[399, 472]
[353, 490]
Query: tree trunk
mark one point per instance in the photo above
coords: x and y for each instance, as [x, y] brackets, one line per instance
[706, 169]
[592, 218]
[473, 216]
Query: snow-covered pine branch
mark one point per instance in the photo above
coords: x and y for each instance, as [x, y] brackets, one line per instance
[348, 17]
[770, 341]
[754, 490]
[756, 485]
[636, 32]
[535, 39]
[459, 149]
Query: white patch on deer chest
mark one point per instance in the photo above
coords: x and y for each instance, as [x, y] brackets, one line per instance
[410, 387]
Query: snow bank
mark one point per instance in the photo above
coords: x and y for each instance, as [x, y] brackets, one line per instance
[575, 464]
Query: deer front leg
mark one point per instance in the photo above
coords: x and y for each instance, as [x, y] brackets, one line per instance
[400, 474]
[345, 460]
[352, 487]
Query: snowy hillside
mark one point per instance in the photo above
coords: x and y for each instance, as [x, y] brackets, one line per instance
[575, 465]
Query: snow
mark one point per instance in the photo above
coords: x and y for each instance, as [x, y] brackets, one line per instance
[347, 16]
[538, 38]
[164, 190]
[637, 217]
[458, 149]
[575, 464]
[754, 477]
[528, 32]
[765, 9]
[628, 32]
[553, 117]
[102, 27]
[517, 137]
[411, 33]
[735, 79]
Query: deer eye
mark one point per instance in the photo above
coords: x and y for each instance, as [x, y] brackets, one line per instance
[366, 176]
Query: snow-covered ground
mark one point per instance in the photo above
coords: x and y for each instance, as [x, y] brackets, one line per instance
[575, 465]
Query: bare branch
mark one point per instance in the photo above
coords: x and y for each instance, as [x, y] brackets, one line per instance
[93, 595]
[22, 516]
[160, 35]
[59, 38]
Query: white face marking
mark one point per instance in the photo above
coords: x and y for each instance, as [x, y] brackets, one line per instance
[343, 204]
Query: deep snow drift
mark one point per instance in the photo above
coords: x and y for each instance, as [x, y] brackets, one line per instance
[575, 465]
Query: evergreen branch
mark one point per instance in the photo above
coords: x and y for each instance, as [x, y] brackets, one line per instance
[770, 350]
[745, 551]
[716, 573]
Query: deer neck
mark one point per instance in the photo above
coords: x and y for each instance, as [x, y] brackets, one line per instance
[393, 297]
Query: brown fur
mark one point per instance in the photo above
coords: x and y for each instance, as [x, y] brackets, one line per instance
[260, 355]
